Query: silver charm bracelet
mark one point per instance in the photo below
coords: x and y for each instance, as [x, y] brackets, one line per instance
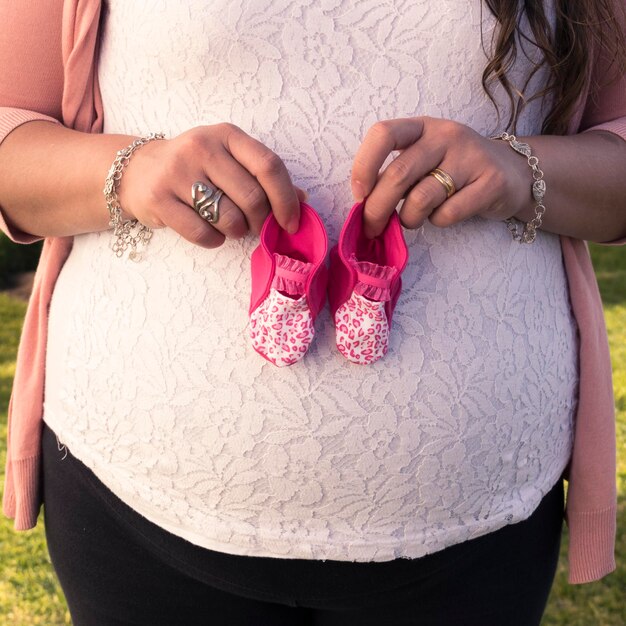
[126, 233]
[529, 233]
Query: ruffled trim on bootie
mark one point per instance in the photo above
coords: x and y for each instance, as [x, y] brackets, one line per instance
[373, 281]
[281, 328]
[290, 275]
[362, 331]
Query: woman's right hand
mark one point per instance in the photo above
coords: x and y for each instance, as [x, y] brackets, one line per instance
[156, 185]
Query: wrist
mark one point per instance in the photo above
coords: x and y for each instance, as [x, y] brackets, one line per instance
[537, 190]
[126, 233]
[525, 210]
[114, 143]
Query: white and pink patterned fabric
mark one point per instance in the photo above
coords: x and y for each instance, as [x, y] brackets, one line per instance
[282, 326]
[362, 328]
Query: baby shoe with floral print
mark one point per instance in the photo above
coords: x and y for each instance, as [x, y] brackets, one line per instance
[364, 286]
[289, 279]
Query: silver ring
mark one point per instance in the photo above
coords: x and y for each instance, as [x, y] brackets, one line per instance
[206, 200]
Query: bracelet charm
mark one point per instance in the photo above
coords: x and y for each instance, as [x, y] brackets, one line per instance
[126, 233]
[529, 232]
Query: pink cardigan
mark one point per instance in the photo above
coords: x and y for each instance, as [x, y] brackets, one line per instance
[67, 91]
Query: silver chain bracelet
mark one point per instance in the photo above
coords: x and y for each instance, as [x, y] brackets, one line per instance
[529, 233]
[126, 233]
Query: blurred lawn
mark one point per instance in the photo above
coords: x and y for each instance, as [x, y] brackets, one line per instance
[29, 592]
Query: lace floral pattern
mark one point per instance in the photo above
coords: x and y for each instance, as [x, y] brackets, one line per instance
[151, 378]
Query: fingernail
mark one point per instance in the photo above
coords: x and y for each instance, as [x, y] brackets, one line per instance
[358, 191]
[293, 225]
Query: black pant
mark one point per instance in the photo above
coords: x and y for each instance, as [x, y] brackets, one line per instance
[115, 568]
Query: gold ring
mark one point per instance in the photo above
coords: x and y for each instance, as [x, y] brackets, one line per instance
[445, 179]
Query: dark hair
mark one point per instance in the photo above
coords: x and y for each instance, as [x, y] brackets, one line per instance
[581, 30]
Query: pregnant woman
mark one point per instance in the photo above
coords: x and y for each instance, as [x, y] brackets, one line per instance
[187, 480]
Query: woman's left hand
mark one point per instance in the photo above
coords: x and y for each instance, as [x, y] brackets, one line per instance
[491, 180]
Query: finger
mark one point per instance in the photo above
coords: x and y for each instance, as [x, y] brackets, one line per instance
[186, 222]
[231, 221]
[397, 178]
[267, 167]
[471, 200]
[241, 190]
[425, 197]
[381, 139]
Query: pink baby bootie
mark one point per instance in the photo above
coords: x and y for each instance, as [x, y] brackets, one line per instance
[289, 279]
[365, 285]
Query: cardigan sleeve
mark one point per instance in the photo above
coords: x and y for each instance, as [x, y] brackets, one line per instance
[31, 81]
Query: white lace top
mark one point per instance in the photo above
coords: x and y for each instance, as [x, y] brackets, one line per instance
[151, 378]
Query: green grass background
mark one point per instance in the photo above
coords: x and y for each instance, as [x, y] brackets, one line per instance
[29, 591]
